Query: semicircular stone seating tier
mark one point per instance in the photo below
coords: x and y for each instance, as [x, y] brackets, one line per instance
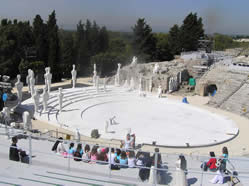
[76, 96]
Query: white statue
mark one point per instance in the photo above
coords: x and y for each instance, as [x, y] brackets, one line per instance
[74, 76]
[156, 69]
[116, 80]
[117, 77]
[27, 125]
[28, 79]
[112, 121]
[60, 99]
[170, 85]
[104, 84]
[32, 82]
[126, 84]
[175, 84]
[6, 114]
[150, 85]
[36, 100]
[134, 61]
[19, 86]
[45, 98]
[97, 84]
[132, 84]
[45, 77]
[78, 135]
[106, 126]
[48, 79]
[94, 75]
[180, 77]
[140, 86]
[159, 92]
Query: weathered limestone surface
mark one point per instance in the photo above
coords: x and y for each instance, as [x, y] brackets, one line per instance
[232, 89]
[145, 71]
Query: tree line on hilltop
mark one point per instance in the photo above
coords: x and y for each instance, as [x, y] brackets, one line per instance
[24, 45]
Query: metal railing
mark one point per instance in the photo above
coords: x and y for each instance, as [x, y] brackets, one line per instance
[154, 169]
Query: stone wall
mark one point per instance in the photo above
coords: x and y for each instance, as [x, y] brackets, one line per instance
[232, 89]
[144, 71]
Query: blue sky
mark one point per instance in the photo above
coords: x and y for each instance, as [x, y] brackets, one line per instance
[223, 16]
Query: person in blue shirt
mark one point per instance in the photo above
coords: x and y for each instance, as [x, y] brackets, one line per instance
[123, 160]
[71, 149]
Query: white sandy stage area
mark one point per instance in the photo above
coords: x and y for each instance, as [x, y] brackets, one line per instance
[167, 122]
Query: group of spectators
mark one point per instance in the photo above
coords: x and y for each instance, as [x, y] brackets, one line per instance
[16, 153]
[117, 157]
[219, 166]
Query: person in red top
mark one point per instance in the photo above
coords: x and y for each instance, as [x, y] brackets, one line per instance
[211, 164]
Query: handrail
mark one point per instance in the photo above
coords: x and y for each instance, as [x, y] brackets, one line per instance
[155, 168]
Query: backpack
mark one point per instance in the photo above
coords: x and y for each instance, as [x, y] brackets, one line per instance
[77, 156]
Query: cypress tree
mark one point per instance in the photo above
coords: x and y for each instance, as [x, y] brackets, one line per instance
[54, 47]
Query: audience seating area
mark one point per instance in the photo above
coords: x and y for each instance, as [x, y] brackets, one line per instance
[49, 168]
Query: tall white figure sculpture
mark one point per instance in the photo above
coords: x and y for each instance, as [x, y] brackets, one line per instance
[94, 75]
[156, 69]
[78, 135]
[126, 84]
[140, 85]
[45, 98]
[6, 114]
[97, 84]
[118, 74]
[104, 82]
[134, 61]
[132, 84]
[36, 100]
[150, 84]
[32, 82]
[60, 99]
[106, 126]
[170, 85]
[19, 86]
[159, 92]
[27, 125]
[48, 79]
[28, 79]
[74, 76]
[180, 77]
[116, 80]
[45, 77]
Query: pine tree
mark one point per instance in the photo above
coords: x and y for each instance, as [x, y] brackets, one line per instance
[41, 39]
[191, 31]
[174, 40]
[144, 43]
[103, 39]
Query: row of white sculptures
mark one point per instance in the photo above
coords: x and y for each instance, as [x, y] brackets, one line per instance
[30, 80]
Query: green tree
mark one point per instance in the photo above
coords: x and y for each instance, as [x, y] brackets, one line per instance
[174, 40]
[107, 62]
[54, 47]
[222, 42]
[117, 46]
[67, 52]
[41, 39]
[144, 43]
[103, 38]
[163, 52]
[191, 31]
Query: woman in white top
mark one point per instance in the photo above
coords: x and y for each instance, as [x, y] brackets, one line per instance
[58, 147]
[131, 160]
